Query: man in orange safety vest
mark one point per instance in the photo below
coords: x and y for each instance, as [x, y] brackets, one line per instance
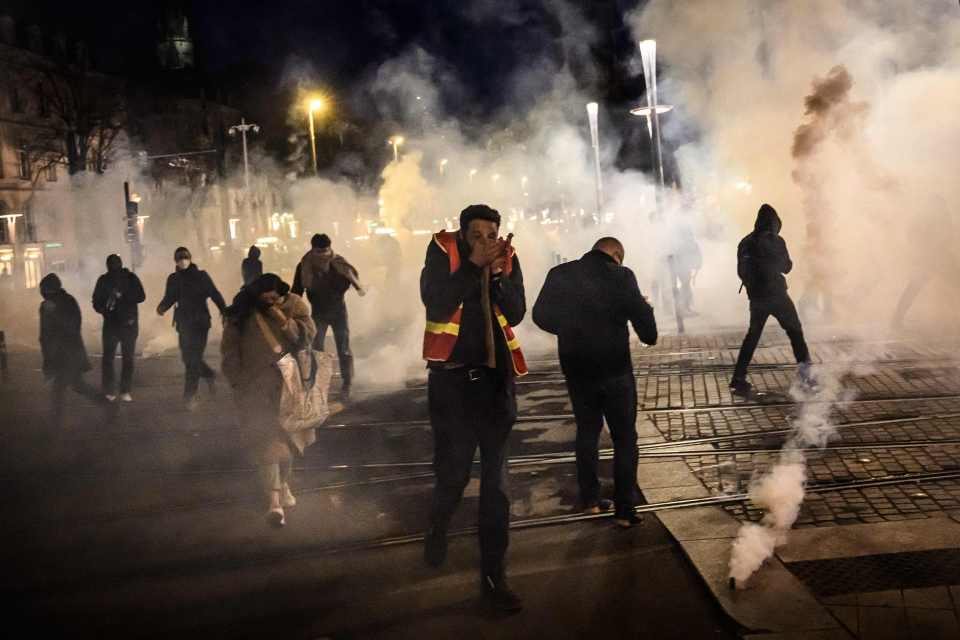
[472, 288]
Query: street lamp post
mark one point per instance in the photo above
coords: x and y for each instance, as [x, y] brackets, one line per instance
[592, 109]
[648, 55]
[315, 105]
[242, 128]
[653, 110]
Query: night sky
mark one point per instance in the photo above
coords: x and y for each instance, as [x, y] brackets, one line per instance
[482, 42]
[259, 52]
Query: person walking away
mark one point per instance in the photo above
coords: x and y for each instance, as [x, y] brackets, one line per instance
[472, 288]
[61, 344]
[189, 288]
[251, 268]
[326, 277]
[762, 262]
[115, 297]
[589, 304]
[265, 321]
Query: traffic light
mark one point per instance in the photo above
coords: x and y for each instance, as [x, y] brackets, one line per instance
[132, 211]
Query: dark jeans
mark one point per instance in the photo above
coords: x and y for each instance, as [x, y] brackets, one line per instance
[615, 399]
[193, 342]
[463, 414]
[341, 337]
[782, 308]
[72, 379]
[126, 338]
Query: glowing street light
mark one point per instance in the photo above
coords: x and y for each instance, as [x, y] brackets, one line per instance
[396, 141]
[473, 172]
[314, 105]
[443, 165]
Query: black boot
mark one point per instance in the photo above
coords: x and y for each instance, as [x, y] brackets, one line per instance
[740, 387]
[435, 547]
[498, 596]
[627, 518]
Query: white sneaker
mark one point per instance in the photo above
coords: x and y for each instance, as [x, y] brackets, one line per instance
[275, 517]
[126, 397]
[110, 397]
[286, 497]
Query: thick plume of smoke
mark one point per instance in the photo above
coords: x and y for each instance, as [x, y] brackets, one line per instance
[741, 70]
[780, 490]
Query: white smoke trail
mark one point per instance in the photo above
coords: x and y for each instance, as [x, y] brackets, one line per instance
[781, 490]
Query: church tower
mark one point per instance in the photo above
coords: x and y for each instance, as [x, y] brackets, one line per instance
[175, 48]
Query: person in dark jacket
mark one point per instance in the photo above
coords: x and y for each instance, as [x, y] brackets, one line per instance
[116, 296]
[762, 261]
[189, 288]
[472, 288]
[251, 268]
[588, 304]
[64, 356]
[326, 277]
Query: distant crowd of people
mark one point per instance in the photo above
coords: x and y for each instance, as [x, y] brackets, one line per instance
[473, 292]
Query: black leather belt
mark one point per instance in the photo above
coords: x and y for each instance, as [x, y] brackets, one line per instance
[473, 374]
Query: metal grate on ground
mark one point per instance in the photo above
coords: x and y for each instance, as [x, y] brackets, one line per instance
[865, 574]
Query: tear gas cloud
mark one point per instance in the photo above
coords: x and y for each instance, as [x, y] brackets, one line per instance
[837, 112]
[739, 72]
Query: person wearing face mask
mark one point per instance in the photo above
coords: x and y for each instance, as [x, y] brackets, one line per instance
[472, 288]
[589, 304]
[61, 343]
[326, 277]
[266, 305]
[189, 288]
[116, 296]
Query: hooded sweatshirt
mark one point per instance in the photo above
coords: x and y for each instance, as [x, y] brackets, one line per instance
[762, 257]
[60, 340]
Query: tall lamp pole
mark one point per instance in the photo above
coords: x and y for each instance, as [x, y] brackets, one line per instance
[396, 141]
[242, 129]
[315, 105]
[592, 109]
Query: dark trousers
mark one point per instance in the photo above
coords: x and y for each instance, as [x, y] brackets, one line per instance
[126, 338]
[336, 320]
[781, 308]
[465, 411]
[71, 379]
[193, 342]
[615, 399]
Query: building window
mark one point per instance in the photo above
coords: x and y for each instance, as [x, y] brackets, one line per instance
[24, 162]
[52, 172]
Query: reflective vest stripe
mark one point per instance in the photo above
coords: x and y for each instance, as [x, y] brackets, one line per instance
[450, 328]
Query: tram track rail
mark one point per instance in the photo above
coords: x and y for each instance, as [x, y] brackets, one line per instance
[737, 405]
[317, 551]
[534, 461]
